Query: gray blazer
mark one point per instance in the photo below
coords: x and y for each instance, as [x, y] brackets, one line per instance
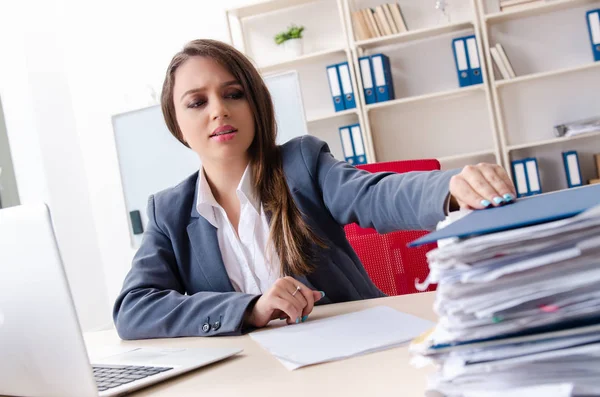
[178, 285]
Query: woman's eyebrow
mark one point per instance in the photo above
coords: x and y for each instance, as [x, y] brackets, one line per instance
[200, 89]
[231, 82]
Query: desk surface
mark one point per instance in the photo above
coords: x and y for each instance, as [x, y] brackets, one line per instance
[255, 372]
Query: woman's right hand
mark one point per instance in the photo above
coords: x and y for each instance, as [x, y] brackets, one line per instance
[283, 301]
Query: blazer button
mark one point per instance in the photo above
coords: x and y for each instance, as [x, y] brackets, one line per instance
[216, 325]
[206, 327]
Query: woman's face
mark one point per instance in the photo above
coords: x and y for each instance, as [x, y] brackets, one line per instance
[212, 111]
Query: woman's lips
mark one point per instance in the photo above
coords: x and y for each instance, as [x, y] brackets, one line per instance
[225, 136]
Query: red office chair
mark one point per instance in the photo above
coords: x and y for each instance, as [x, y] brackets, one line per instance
[393, 266]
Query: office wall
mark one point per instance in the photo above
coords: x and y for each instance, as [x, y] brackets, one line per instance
[8, 184]
[38, 110]
[96, 59]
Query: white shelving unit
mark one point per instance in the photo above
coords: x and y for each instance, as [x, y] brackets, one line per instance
[252, 29]
[557, 82]
[432, 117]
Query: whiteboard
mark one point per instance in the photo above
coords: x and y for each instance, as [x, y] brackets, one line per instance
[289, 109]
[151, 159]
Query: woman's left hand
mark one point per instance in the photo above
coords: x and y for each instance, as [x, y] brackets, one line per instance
[481, 186]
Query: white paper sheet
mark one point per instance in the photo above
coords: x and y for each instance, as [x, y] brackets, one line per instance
[340, 337]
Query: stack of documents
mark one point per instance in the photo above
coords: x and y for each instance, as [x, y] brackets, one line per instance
[519, 312]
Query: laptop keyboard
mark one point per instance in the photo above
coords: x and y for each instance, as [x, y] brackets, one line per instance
[109, 376]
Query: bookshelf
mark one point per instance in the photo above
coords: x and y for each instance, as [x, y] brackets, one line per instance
[431, 116]
[426, 83]
[548, 89]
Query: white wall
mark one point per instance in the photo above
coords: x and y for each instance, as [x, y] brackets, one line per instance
[39, 117]
[73, 68]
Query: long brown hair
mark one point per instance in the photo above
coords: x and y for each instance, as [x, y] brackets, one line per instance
[291, 236]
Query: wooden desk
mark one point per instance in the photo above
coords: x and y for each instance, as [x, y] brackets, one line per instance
[254, 372]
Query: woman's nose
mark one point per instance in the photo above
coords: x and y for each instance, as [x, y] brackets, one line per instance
[219, 109]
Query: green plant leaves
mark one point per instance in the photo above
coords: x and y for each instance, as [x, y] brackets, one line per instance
[293, 32]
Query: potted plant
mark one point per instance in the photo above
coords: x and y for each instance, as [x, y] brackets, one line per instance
[291, 39]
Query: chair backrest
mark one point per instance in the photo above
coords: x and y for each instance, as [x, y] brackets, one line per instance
[391, 265]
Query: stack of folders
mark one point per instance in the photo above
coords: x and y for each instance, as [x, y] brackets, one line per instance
[593, 20]
[340, 86]
[577, 127]
[513, 5]
[502, 63]
[526, 177]
[519, 312]
[376, 75]
[352, 144]
[383, 20]
[466, 58]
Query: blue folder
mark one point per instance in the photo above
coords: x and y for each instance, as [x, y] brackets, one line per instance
[384, 81]
[459, 48]
[524, 212]
[593, 22]
[572, 168]
[335, 87]
[366, 72]
[346, 83]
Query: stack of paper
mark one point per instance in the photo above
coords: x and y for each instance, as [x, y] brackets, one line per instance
[577, 127]
[519, 311]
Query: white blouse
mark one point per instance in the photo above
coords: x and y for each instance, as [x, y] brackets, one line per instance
[245, 258]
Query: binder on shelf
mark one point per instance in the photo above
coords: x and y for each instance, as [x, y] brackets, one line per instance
[593, 21]
[388, 14]
[382, 19]
[370, 18]
[398, 17]
[347, 89]
[335, 88]
[505, 61]
[473, 58]
[347, 147]
[533, 176]
[499, 63]
[384, 84]
[366, 74]
[460, 59]
[360, 29]
[572, 169]
[520, 178]
[379, 23]
[360, 156]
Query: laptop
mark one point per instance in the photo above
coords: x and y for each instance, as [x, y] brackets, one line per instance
[42, 350]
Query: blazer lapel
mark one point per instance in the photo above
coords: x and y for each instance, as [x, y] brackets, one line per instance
[204, 243]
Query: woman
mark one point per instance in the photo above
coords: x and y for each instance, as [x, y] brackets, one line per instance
[257, 234]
